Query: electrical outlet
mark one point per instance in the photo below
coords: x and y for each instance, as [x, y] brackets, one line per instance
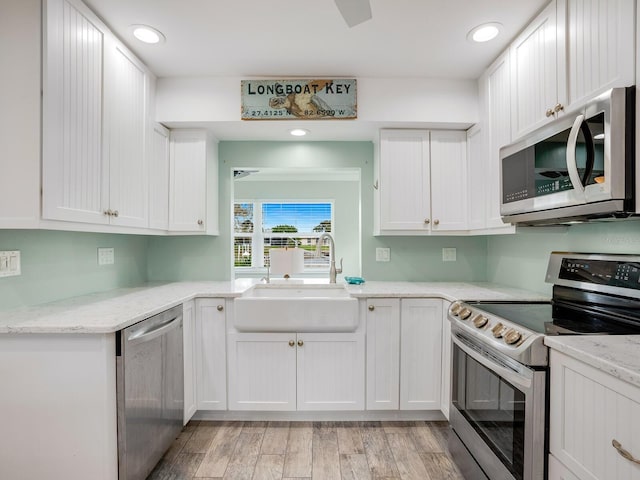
[10, 263]
[383, 254]
[106, 256]
[448, 254]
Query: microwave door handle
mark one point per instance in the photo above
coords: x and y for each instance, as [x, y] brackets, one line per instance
[591, 155]
[572, 166]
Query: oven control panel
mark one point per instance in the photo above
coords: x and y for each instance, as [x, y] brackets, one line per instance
[506, 336]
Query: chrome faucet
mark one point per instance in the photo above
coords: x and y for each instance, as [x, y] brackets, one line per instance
[332, 256]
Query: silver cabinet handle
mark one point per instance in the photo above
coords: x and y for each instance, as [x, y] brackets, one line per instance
[108, 212]
[371, 308]
[426, 221]
[291, 343]
[115, 213]
[625, 453]
[300, 343]
[220, 308]
[436, 222]
[549, 112]
[200, 222]
[559, 107]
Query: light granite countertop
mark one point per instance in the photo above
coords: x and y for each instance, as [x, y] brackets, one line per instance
[617, 355]
[107, 312]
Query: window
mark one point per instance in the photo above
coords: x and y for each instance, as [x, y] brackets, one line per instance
[260, 226]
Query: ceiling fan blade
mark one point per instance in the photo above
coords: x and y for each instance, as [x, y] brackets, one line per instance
[354, 12]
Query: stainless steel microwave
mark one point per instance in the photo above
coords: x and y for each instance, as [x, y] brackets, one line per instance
[579, 167]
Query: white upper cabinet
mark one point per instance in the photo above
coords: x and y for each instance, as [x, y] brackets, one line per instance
[571, 52]
[159, 178]
[599, 47]
[193, 166]
[476, 169]
[95, 96]
[535, 92]
[125, 100]
[417, 170]
[404, 180]
[74, 173]
[449, 180]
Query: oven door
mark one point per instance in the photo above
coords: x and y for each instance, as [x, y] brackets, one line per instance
[498, 411]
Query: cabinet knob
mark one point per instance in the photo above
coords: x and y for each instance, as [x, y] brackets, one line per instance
[300, 343]
[549, 112]
[291, 343]
[558, 108]
[426, 221]
[108, 212]
[200, 222]
[371, 308]
[115, 213]
[436, 222]
[220, 308]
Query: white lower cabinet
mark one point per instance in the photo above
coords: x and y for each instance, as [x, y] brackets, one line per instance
[288, 371]
[383, 353]
[404, 354]
[590, 411]
[189, 348]
[420, 354]
[211, 354]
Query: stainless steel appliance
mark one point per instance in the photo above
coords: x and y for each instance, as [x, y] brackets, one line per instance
[499, 361]
[578, 167]
[149, 380]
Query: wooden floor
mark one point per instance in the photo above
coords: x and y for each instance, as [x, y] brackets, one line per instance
[310, 450]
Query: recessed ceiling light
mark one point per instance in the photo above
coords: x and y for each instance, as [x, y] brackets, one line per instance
[298, 132]
[484, 32]
[147, 34]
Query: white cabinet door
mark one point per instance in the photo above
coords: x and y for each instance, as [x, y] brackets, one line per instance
[590, 409]
[125, 100]
[383, 353]
[497, 89]
[262, 371]
[476, 170]
[404, 180]
[189, 351]
[211, 354]
[188, 180]
[330, 371]
[74, 175]
[600, 47]
[159, 178]
[534, 74]
[420, 354]
[448, 180]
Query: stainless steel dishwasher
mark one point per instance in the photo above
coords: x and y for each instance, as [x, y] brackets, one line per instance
[150, 391]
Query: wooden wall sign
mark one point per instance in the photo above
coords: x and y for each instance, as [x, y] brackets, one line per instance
[299, 99]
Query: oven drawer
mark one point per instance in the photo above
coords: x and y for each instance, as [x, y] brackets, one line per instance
[589, 411]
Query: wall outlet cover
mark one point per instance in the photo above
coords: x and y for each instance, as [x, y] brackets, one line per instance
[383, 254]
[106, 256]
[448, 254]
[10, 265]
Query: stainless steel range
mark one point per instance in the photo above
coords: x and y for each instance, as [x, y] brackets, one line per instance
[499, 364]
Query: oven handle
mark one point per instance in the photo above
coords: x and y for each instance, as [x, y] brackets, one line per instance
[516, 378]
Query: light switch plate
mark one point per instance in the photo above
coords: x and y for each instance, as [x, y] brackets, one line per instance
[10, 263]
[383, 254]
[106, 256]
[448, 254]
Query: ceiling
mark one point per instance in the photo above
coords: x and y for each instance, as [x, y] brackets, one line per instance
[301, 38]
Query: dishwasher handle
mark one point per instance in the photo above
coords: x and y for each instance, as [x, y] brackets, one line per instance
[143, 335]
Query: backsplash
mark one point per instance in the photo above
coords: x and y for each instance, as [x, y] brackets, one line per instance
[521, 260]
[57, 265]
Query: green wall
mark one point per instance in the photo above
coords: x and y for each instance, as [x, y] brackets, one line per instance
[412, 258]
[57, 265]
[521, 260]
